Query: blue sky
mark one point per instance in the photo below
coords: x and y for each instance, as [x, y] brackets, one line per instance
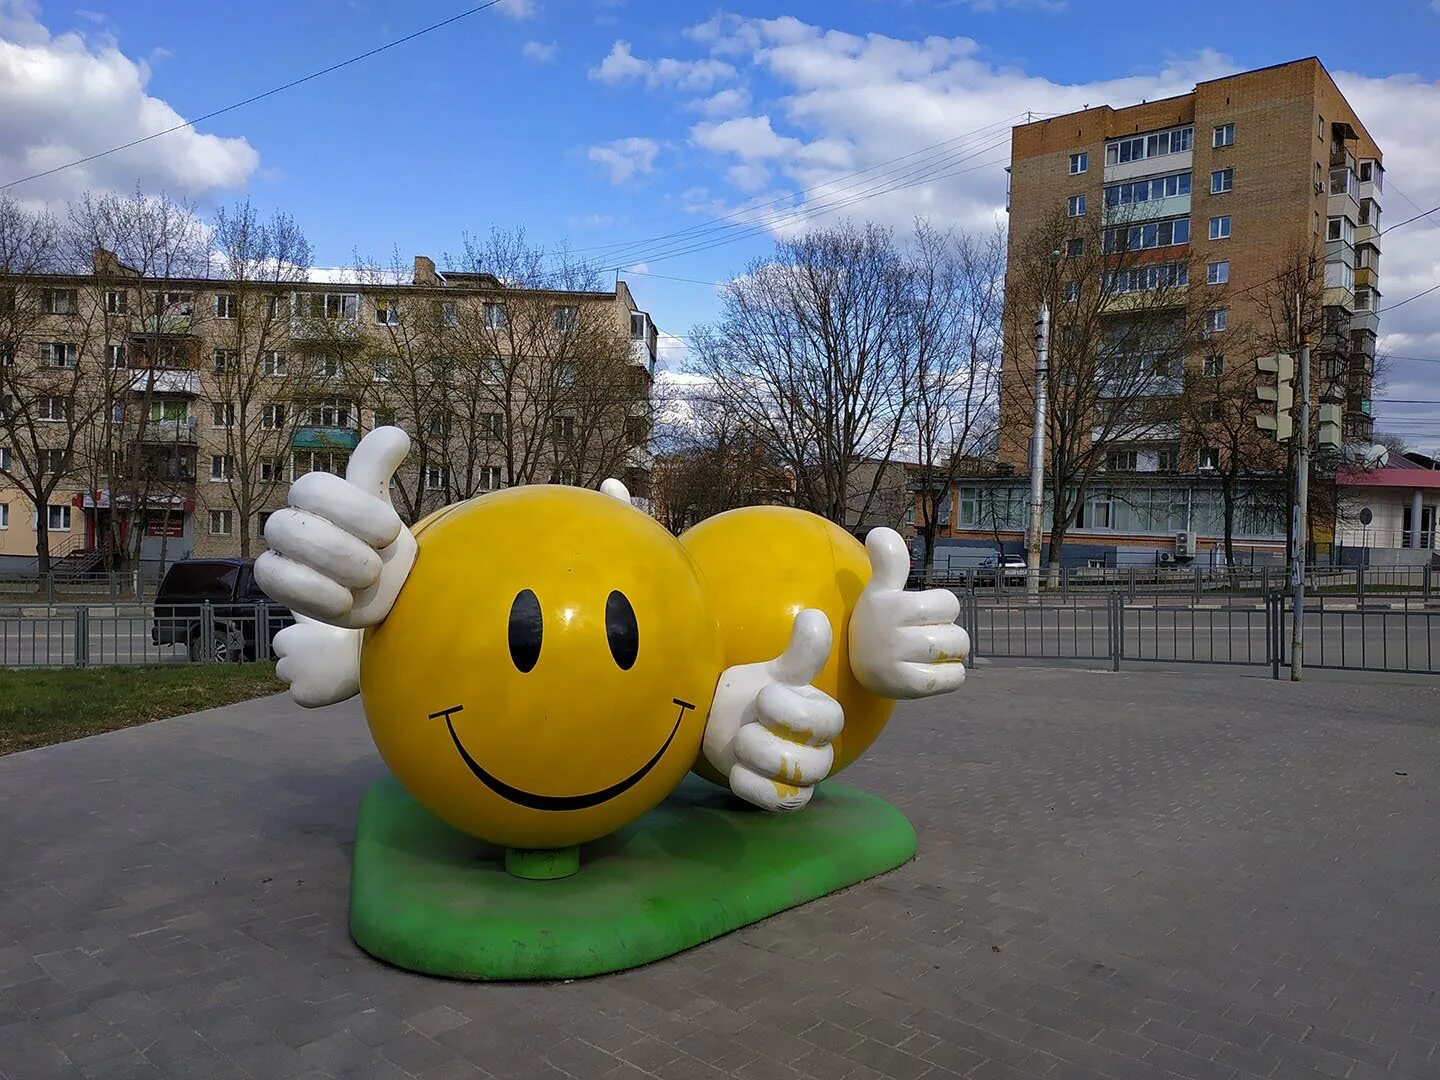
[604, 122]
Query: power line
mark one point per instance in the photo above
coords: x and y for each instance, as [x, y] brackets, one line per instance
[616, 251]
[1417, 296]
[255, 97]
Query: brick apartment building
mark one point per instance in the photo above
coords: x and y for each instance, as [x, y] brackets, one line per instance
[176, 413]
[1215, 187]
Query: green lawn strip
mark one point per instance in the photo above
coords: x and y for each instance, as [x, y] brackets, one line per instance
[44, 706]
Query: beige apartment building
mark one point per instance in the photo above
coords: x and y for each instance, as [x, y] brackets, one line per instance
[168, 418]
[1207, 194]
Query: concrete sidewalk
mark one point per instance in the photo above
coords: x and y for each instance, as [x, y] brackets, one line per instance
[1144, 874]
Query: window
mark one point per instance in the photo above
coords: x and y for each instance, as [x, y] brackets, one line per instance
[1217, 320]
[7, 355]
[52, 408]
[448, 315]
[563, 476]
[337, 306]
[496, 317]
[272, 470]
[637, 325]
[1316, 230]
[272, 417]
[225, 305]
[490, 478]
[306, 461]
[437, 478]
[222, 466]
[222, 414]
[1079, 162]
[169, 410]
[1362, 299]
[1319, 127]
[1208, 458]
[1167, 459]
[380, 369]
[1153, 234]
[1074, 248]
[1096, 513]
[58, 354]
[1137, 191]
[177, 303]
[1209, 412]
[1072, 291]
[1223, 135]
[57, 301]
[1174, 141]
[566, 316]
[564, 428]
[1122, 461]
[326, 367]
[383, 418]
[491, 425]
[272, 307]
[52, 461]
[1340, 228]
[220, 522]
[4, 515]
[1221, 181]
[1213, 366]
[273, 363]
[1153, 276]
[1076, 206]
[439, 427]
[1220, 227]
[57, 518]
[493, 370]
[386, 313]
[116, 302]
[1218, 272]
[4, 457]
[332, 412]
[114, 357]
[565, 373]
[223, 360]
[261, 520]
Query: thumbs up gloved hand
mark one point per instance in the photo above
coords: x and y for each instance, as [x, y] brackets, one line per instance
[338, 557]
[769, 731]
[904, 644]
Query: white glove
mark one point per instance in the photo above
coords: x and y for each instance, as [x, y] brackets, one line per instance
[321, 663]
[769, 731]
[339, 553]
[904, 644]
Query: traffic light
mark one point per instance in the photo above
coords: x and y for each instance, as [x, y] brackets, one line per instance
[1275, 419]
[1328, 435]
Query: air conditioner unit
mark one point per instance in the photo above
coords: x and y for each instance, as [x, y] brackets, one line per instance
[1166, 558]
[1319, 187]
[1184, 545]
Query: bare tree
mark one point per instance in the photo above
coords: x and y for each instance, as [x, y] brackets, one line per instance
[146, 252]
[47, 398]
[253, 383]
[1123, 326]
[810, 352]
[954, 324]
[548, 388]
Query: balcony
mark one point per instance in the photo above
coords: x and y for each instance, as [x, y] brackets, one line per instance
[166, 432]
[1146, 210]
[1368, 233]
[181, 324]
[165, 381]
[641, 356]
[318, 437]
[1365, 320]
[303, 328]
[1150, 166]
[1366, 277]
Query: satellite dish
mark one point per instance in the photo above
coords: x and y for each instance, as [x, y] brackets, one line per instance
[1366, 517]
[1377, 456]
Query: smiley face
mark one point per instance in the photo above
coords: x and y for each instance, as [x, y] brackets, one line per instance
[544, 677]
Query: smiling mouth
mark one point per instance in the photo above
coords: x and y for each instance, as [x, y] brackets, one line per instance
[533, 801]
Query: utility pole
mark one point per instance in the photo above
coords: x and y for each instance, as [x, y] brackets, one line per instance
[1037, 453]
[1300, 519]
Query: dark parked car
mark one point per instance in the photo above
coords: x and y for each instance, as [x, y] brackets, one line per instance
[235, 598]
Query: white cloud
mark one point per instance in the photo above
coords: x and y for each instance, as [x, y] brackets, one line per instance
[729, 101]
[622, 65]
[519, 10]
[65, 97]
[747, 177]
[540, 52]
[625, 158]
[750, 138]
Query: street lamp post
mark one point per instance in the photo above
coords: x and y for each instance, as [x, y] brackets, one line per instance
[1037, 453]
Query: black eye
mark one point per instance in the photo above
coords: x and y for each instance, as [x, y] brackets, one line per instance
[526, 628]
[622, 631]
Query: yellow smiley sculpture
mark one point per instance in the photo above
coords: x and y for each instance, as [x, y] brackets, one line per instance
[556, 661]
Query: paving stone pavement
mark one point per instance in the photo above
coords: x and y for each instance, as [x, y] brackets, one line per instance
[1146, 874]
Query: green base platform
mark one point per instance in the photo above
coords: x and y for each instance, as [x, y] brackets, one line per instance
[430, 899]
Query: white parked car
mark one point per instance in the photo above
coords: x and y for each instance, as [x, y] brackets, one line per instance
[1012, 569]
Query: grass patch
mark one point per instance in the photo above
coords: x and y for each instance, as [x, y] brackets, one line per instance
[45, 706]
